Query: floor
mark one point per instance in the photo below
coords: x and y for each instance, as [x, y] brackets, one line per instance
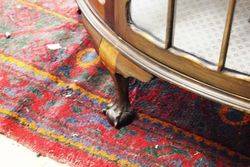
[53, 88]
[14, 154]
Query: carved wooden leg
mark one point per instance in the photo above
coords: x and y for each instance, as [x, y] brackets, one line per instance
[119, 113]
[79, 11]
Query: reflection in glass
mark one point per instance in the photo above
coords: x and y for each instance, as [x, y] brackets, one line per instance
[150, 16]
[199, 26]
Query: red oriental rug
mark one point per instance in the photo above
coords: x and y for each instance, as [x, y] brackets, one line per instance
[51, 100]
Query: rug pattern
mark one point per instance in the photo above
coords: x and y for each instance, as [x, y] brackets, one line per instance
[54, 98]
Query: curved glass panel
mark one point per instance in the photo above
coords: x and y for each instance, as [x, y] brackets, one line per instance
[238, 55]
[150, 16]
[199, 26]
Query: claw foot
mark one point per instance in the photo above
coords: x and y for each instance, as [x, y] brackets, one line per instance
[119, 115]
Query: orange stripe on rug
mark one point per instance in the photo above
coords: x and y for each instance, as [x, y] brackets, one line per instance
[46, 75]
[32, 31]
[62, 139]
[189, 134]
[40, 8]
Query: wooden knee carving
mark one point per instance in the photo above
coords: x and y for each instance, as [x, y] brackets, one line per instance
[117, 63]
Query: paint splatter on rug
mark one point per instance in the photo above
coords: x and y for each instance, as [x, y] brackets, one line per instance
[53, 88]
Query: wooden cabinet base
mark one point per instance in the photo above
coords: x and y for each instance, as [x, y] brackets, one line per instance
[127, 58]
[121, 68]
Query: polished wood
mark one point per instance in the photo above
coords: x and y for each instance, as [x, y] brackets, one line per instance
[124, 66]
[120, 68]
[175, 59]
[170, 65]
[106, 10]
[127, 68]
[119, 113]
[226, 36]
[117, 63]
[96, 37]
[170, 23]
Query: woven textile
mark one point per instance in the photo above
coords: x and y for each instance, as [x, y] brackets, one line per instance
[53, 88]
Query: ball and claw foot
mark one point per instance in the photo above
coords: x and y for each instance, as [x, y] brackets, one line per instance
[79, 11]
[119, 115]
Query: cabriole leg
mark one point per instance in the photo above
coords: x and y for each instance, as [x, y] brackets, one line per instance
[119, 112]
